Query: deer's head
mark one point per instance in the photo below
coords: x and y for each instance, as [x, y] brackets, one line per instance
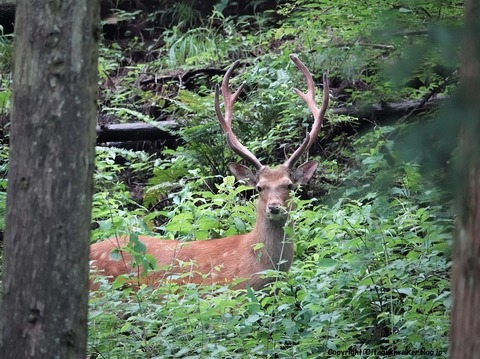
[274, 185]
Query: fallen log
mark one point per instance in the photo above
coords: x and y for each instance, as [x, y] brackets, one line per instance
[129, 133]
[116, 134]
[389, 109]
[182, 76]
[138, 131]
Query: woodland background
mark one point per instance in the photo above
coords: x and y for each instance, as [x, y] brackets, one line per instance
[373, 231]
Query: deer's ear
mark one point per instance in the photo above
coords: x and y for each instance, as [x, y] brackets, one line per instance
[243, 173]
[305, 172]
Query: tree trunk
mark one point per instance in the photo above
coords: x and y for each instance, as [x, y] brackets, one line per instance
[46, 245]
[465, 330]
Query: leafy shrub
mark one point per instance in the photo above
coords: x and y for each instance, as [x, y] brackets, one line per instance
[114, 210]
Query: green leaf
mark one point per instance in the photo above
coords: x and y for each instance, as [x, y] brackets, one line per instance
[327, 263]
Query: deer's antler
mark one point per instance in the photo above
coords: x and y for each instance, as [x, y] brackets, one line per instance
[318, 113]
[226, 121]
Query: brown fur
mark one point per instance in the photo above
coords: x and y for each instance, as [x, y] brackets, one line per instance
[225, 259]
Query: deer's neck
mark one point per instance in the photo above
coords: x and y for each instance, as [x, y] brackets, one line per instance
[277, 250]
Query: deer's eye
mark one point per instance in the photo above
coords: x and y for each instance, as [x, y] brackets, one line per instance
[290, 186]
[259, 189]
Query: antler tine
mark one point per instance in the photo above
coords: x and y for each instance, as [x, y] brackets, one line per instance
[318, 113]
[226, 121]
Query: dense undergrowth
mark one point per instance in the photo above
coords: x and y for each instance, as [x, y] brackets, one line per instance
[372, 232]
[371, 271]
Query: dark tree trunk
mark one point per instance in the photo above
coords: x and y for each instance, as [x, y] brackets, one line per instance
[465, 330]
[46, 245]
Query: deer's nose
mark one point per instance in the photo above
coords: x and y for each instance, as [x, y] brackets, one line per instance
[274, 208]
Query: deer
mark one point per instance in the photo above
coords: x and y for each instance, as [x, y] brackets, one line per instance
[238, 259]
